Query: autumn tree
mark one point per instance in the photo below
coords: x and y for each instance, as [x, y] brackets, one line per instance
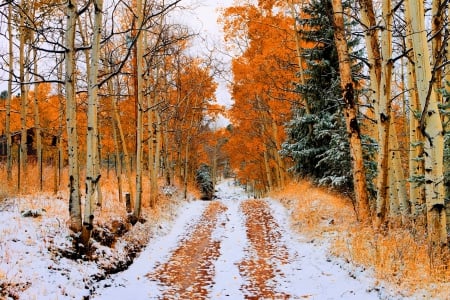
[262, 94]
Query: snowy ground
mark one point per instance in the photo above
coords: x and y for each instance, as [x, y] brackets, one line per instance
[302, 270]
[308, 274]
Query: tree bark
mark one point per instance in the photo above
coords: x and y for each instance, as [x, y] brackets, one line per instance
[8, 100]
[384, 114]
[92, 175]
[416, 159]
[37, 124]
[139, 93]
[351, 113]
[23, 61]
[431, 127]
[71, 118]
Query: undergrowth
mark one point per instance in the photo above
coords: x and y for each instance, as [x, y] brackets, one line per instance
[399, 256]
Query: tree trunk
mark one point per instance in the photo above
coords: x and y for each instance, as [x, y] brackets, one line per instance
[37, 124]
[431, 127]
[115, 126]
[8, 100]
[71, 118]
[139, 93]
[92, 177]
[383, 115]
[399, 180]
[126, 155]
[23, 61]
[351, 113]
[416, 159]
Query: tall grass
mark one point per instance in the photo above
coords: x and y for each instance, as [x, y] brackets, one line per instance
[400, 256]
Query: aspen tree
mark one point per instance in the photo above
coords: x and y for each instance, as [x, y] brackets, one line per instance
[139, 108]
[23, 62]
[8, 99]
[115, 125]
[37, 123]
[126, 155]
[351, 112]
[59, 146]
[446, 102]
[92, 175]
[416, 161]
[71, 117]
[431, 127]
[383, 114]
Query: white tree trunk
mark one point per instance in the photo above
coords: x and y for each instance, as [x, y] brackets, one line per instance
[37, 124]
[8, 100]
[416, 160]
[92, 175]
[23, 60]
[71, 117]
[431, 127]
[139, 93]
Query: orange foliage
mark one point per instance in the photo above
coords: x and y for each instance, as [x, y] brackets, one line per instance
[263, 83]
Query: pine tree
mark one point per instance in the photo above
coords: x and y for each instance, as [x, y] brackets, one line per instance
[323, 152]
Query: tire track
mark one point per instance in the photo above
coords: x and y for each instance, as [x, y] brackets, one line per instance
[189, 272]
[266, 252]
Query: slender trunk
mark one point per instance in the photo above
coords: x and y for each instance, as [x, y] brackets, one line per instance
[267, 169]
[186, 162]
[115, 126]
[23, 61]
[71, 119]
[92, 177]
[399, 181]
[126, 156]
[416, 159]
[436, 46]
[300, 62]
[37, 124]
[151, 127]
[351, 113]
[8, 100]
[384, 114]
[139, 93]
[280, 165]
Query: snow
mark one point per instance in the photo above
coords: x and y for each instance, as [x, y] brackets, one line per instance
[311, 272]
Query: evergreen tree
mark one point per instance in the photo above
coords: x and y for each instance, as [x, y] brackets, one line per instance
[205, 182]
[317, 140]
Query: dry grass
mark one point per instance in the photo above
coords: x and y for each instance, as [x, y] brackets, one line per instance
[30, 197]
[399, 256]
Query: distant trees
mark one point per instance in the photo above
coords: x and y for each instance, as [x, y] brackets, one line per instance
[90, 61]
[264, 39]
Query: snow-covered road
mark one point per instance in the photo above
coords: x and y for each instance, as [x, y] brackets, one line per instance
[235, 248]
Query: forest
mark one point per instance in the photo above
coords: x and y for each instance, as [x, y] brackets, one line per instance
[114, 96]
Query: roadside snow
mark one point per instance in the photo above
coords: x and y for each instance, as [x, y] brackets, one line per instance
[311, 273]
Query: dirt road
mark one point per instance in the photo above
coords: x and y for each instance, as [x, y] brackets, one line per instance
[235, 248]
[190, 270]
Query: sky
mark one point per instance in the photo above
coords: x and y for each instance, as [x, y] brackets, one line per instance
[203, 19]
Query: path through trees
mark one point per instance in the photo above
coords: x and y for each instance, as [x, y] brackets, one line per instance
[235, 248]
